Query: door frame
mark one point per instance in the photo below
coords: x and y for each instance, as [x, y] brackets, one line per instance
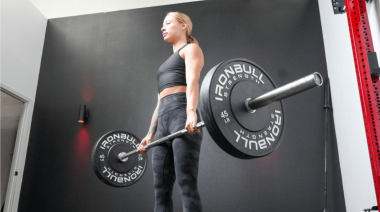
[20, 149]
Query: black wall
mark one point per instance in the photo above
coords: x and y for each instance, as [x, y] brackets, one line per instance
[109, 61]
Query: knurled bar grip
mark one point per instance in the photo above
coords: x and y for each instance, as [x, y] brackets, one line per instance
[124, 156]
[285, 91]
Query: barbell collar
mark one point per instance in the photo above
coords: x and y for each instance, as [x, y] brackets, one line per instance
[123, 156]
[285, 91]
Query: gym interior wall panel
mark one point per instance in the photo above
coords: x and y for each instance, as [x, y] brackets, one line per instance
[109, 62]
[359, 190]
[23, 30]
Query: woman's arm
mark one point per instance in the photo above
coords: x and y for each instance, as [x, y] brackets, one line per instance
[153, 123]
[194, 62]
[152, 129]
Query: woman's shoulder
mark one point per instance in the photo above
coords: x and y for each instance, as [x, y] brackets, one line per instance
[192, 48]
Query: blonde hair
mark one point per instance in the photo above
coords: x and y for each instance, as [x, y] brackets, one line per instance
[181, 18]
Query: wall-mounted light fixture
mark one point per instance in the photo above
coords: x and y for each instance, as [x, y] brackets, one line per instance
[83, 114]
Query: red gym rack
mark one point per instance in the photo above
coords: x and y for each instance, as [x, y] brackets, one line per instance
[361, 41]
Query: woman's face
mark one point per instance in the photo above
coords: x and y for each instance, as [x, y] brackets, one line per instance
[171, 29]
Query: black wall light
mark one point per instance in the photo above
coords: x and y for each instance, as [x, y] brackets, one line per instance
[83, 114]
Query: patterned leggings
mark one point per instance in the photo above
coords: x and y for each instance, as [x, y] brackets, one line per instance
[176, 159]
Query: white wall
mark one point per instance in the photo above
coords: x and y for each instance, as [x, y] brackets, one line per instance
[354, 158]
[64, 8]
[23, 30]
[373, 9]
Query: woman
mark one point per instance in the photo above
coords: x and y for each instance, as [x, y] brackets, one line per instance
[178, 90]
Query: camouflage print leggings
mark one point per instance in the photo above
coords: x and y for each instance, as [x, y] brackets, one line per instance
[176, 159]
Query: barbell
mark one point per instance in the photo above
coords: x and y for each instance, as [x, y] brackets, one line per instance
[241, 109]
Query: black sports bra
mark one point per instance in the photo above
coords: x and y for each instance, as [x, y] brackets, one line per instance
[172, 72]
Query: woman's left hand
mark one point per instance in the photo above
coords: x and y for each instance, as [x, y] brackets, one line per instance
[191, 122]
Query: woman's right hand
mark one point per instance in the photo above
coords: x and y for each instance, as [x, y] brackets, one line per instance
[143, 143]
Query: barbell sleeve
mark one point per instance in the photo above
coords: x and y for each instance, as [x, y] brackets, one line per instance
[123, 156]
[285, 91]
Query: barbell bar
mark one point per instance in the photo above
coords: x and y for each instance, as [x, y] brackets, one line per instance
[243, 127]
[123, 157]
[308, 82]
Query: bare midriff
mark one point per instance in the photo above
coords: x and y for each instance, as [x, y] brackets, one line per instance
[171, 90]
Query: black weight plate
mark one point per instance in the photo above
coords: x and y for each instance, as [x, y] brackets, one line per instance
[238, 132]
[108, 168]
